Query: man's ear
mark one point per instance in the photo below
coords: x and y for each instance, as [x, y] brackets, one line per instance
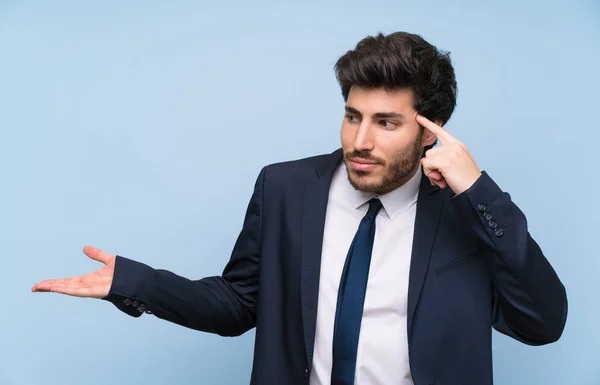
[429, 137]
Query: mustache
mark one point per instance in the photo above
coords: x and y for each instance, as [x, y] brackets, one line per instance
[366, 155]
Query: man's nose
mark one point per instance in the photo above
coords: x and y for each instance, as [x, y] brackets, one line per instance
[364, 139]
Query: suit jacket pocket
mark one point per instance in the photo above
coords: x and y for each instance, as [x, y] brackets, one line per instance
[458, 261]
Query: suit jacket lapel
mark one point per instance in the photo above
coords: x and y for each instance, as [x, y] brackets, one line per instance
[313, 224]
[429, 209]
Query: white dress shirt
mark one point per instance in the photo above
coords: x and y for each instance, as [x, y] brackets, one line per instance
[382, 357]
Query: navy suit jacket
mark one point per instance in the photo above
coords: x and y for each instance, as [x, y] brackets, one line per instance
[474, 267]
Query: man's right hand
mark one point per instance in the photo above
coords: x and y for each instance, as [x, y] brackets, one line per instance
[93, 285]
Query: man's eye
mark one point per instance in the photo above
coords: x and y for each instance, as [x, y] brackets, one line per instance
[388, 124]
[350, 118]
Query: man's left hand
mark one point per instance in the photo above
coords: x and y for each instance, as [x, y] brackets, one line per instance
[450, 164]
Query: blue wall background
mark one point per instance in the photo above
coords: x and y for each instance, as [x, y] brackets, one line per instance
[140, 127]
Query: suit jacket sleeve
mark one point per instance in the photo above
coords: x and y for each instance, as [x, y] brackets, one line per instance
[224, 305]
[530, 302]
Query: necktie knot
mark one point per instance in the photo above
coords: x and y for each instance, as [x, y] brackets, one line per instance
[374, 207]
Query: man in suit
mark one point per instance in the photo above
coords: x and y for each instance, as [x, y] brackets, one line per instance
[388, 261]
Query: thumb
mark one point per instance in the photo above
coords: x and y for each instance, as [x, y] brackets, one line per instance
[435, 175]
[431, 169]
[98, 255]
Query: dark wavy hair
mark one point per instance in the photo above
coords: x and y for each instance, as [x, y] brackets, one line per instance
[402, 60]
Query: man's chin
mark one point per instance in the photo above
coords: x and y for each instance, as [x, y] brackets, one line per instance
[364, 182]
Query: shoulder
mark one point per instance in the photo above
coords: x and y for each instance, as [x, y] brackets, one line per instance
[302, 168]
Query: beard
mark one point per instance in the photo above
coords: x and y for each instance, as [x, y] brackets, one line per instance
[399, 170]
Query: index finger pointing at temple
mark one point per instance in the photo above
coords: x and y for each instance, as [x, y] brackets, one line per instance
[443, 135]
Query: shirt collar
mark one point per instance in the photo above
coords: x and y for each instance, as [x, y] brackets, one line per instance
[394, 203]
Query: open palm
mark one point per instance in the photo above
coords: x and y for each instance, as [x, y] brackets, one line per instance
[94, 285]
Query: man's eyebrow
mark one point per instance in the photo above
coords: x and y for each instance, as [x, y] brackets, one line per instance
[378, 115]
[388, 115]
[353, 110]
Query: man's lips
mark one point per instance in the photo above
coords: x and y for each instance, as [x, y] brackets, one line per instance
[363, 164]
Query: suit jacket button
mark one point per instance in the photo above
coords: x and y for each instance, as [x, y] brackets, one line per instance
[127, 302]
[306, 373]
[487, 215]
[498, 232]
[481, 207]
[135, 303]
[492, 224]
